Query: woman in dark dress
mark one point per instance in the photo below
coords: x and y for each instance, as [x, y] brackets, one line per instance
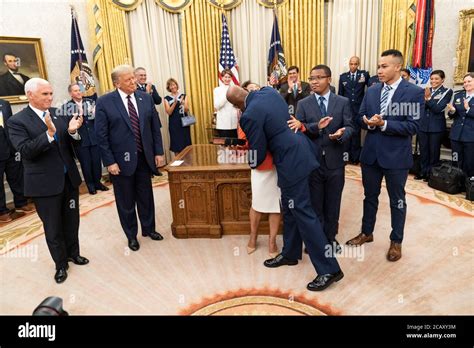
[177, 106]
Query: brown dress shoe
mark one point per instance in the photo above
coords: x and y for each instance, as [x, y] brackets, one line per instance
[5, 217]
[27, 209]
[360, 239]
[394, 252]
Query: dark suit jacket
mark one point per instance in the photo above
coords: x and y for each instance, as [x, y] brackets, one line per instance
[309, 114]
[10, 85]
[435, 120]
[354, 90]
[154, 94]
[115, 136]
[6, 150]
[87, 130]
[392, 148]
[264, 122]
[463, 125]
[43, 161]
[290, 98]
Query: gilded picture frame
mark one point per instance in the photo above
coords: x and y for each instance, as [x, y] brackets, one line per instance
[22, 58]
[465, 48]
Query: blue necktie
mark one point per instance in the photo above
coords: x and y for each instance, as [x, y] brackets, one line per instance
[384, 99]
[322, 107]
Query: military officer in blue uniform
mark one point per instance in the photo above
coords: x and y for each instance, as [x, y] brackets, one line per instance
[352, 86]
[462, 130]
[433, 124]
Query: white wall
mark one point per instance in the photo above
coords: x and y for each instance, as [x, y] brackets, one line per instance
[49, 20]
[446, 35]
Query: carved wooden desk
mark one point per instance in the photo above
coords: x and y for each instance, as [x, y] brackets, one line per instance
[210, 198]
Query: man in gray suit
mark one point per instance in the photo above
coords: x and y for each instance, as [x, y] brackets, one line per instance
[327, 119]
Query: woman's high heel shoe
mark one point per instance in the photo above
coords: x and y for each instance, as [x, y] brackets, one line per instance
[250, 250]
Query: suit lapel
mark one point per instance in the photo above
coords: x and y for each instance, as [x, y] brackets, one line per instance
[331, 103]
[122, 110]
[378, 95]
[399, 92]
[36, 120]
[315, 107]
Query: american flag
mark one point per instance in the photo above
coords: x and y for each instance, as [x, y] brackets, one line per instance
[227, 58]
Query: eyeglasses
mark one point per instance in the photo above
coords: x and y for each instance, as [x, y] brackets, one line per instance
[317, 78]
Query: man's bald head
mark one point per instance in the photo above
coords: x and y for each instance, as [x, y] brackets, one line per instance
[236, 96]
[354, 63]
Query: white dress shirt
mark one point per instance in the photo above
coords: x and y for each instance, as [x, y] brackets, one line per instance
[124, 98]
[226, 112]
[40, 113]
[17, 76]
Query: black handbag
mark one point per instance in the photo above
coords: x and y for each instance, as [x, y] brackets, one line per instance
[470, 188]
[447, 178]
[416, 168]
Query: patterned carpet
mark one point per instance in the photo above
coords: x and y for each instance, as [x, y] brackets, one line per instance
[217, 277]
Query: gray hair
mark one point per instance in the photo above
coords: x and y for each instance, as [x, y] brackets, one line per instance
[120, 70]
[139, 68]
[69, 88]
[32, 84]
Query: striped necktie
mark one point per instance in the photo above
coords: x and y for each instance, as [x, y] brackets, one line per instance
[322, 107]
[135, 121]
[384, 99]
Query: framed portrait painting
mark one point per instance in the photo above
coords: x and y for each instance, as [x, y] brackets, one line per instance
[465, 49]
[22, 58]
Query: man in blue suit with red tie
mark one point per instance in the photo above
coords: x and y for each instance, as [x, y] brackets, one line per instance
[129, 137]
[390, 113]
[264, 121]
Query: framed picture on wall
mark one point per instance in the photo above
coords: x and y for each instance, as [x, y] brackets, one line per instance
[22, 59]
[465, 49]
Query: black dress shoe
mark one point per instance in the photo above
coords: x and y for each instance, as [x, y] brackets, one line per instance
[159, 173]
[133, 244]
[153, 235]
[322, 282]
[278, 261]
[102, 188]
[419, 177]
[78, 260]
[92, 192]
[61, 275]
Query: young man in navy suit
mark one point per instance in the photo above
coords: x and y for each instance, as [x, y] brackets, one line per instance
[128, 132]
[352, 86]
[327, 119]
[264, 121]
[390, 112]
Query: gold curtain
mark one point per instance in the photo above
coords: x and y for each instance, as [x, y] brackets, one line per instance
[111, 46]
[201, 45]
[302, 26]
[397, 16]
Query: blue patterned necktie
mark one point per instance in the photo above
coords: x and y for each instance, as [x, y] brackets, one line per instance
[322, 107]
[384, 99]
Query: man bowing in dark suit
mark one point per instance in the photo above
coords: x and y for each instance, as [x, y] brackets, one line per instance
[390, 112]
[44, 139]
[327, 119]
[129, 136]
[264, 121]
